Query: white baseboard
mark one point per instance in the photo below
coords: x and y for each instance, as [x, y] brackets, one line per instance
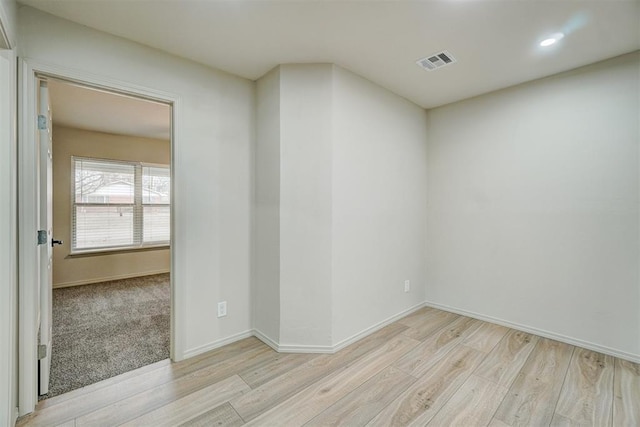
[288, 348]
[330, 349]
[265, 339]
[314, 349]
[107, 279]
[219, 343]
[543, 333]
[368, 331]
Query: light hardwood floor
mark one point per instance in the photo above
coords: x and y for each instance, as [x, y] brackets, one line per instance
[429, 368]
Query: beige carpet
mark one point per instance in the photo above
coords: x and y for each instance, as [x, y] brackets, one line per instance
[106, 329]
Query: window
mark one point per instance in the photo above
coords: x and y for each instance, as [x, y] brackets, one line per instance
[119, 204]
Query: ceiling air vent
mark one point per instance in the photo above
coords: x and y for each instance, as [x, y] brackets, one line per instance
[437, 60]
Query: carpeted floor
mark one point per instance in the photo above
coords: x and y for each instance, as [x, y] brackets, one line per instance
[106, 329]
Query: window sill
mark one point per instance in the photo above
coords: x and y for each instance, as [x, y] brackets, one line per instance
[113, 251]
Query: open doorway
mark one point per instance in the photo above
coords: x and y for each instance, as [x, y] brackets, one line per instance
[110, 297]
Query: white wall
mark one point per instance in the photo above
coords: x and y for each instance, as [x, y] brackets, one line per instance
[7, 24]
[212, 164]
[340, 206]
[379, 204]
[305, 204]
[8, 243]
[266, 273]
[533, 197]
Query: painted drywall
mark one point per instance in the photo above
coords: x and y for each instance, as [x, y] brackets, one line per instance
[340, 206]
[8, 24]
[305, 204]
[79, 270]
[266, 273]
[379, 204]
[211, 163]
[533, 198]
[8, 244]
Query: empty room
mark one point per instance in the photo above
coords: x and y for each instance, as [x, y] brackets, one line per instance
[382, 213]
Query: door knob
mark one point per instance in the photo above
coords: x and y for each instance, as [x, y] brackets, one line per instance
[56, 242]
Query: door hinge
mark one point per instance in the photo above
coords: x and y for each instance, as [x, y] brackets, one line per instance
[42, 122]
[42, 237]
[42, 351]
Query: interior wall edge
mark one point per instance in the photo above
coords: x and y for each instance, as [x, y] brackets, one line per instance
[540, 332]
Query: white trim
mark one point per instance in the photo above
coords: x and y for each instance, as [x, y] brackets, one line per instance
[219, 343]
[28, 214]
[294, 348]
[541, 332]
[330, 349]
[178, 292]
[108, 279]
[8, 247]
[368, 331]
[313, 349]
[265, 339]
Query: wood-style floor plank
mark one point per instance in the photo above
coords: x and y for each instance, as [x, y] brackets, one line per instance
[364, 403]
[473, 404]
[416, 318]
[454, 371]
[125, 410]
[532, 398]
[560, 421]
[192, 405]
[587, 393]
[308, 403]
[270, 394]
[505, 361]
[223, 415]
[220, 354]
[270, 369]
[486, 337]
[432, 349]
[420, 402]
[120, 390]
[430, 322]
[61, 398]
[626, 392]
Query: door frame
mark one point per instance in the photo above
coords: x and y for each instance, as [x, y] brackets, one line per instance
[8, 255]
[28, 213]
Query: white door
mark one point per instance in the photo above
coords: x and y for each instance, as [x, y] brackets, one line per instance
[46, 225]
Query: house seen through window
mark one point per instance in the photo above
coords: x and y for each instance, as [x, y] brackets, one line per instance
[119, 204]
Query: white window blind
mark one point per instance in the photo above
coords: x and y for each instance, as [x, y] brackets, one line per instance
[119, 204]
[156, 187]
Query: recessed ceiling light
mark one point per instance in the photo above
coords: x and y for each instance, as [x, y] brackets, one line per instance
[552, 39]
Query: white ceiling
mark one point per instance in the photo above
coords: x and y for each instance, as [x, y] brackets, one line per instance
[90, 109]
[494, 41]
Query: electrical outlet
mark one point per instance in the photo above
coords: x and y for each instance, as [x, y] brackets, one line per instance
[222, 309]
[407, 285]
